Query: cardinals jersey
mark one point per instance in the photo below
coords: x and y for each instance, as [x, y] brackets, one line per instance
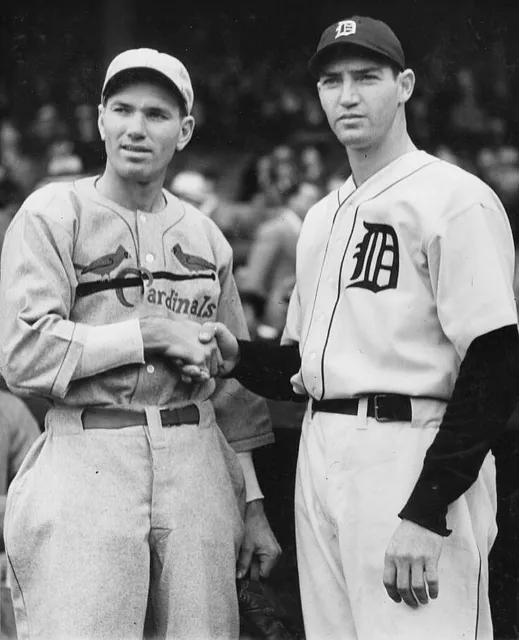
[403, 275]
[80, 272]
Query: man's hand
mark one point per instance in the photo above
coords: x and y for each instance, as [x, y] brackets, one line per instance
[178, 341]
[227, 357]
[259, 543]
[411, 564]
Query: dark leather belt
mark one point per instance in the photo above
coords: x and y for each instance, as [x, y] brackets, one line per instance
[98, 418]
[384, 407]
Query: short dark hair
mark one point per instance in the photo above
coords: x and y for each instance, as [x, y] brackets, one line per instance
[340, 50]
[133, 76]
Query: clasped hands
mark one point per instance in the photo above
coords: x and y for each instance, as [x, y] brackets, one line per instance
[212, 351]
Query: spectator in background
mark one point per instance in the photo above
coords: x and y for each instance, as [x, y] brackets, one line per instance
[18, 431]
[22, 156]
[265, 283]
[468, 120]
[10, 200]
[236, 220]
[285, 170]
[500, 169]
[86, 143]
[63, 164]
[196, 188]
[47, 124]
[312, 165]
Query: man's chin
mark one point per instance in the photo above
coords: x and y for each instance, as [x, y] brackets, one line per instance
[353, 140]
[139, 174]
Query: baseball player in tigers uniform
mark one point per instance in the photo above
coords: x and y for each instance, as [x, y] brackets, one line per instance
[402, 334]
[142, 485]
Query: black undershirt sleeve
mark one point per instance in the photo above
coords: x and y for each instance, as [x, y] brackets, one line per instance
[485, 395]
[266, 369]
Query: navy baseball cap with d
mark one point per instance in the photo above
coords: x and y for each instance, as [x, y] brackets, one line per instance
[171, 69]
[365, 33]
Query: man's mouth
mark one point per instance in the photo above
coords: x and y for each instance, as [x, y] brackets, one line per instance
[135, 148]
[349, 117]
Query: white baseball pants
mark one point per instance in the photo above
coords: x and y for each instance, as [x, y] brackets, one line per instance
[354, 476]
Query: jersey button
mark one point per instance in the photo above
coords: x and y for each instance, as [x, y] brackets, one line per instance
[143, 218]
[150, 258]
[150, 368]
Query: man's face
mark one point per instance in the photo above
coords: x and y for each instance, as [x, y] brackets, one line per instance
[142, 127]
[361, 98]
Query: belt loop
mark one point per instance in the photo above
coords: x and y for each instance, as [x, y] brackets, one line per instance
[154, 428]
[362, 414]
[63, 420]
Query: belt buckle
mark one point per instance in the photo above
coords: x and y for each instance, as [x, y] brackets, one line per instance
[377, 409]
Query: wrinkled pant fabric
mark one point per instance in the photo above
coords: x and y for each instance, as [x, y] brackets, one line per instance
[100, 520]
[354, 476]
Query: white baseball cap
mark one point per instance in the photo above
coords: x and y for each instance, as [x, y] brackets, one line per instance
[168, 66]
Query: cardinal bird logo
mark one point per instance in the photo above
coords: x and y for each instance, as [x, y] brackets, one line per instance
[104, 265]
[191, 262]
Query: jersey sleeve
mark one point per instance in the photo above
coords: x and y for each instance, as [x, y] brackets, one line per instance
[471, 264]
[41, 349]
[292, 331]
[242, 416]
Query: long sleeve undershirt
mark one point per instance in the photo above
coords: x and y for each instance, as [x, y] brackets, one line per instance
[484, 397]
[266, 369]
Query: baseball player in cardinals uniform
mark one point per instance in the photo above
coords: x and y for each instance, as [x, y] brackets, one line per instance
[402, 337]
[142, 486]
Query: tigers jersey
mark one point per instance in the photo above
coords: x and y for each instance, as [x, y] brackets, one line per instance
[402, 277]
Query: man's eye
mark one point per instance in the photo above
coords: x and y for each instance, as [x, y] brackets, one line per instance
[157, 115]
[120, 109]
[329, 82]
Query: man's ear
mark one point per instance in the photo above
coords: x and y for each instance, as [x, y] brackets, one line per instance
[186, 131]
[407, 81]
[100, 124]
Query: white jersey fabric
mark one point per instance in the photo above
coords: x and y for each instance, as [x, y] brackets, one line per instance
[396, 278]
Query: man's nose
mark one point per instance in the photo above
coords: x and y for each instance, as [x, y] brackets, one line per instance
[349, 95]
[136, 125]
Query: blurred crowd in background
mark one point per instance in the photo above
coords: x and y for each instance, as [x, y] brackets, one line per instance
[262, 153]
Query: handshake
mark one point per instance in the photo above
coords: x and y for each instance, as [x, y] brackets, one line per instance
[199, 352]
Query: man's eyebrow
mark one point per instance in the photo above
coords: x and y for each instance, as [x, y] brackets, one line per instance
[367, 68]
[364, 68]
[330, 72]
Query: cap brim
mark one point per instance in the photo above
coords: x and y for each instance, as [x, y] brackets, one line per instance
[319, 57]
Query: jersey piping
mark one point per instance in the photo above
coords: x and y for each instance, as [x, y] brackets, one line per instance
[339, 206]
[323, 385]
